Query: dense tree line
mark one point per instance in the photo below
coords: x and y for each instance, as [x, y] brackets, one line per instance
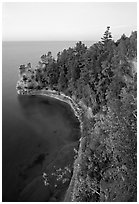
[103, 77]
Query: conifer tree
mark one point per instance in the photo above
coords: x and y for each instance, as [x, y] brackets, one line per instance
[107, 36]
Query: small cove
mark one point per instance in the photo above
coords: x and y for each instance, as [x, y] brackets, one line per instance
[45, 144]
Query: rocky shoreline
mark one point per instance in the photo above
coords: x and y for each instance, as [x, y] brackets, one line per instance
[78, 111]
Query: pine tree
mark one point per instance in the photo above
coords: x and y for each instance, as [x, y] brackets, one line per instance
[107, 36]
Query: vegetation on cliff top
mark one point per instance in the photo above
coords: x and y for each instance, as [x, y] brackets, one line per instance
[102, 77]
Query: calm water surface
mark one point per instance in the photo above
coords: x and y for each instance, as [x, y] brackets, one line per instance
[39, 134]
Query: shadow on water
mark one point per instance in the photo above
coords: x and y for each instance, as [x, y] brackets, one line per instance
[45, 168]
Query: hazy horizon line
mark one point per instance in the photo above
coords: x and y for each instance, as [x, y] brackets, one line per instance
[49, 40]
[68, 40]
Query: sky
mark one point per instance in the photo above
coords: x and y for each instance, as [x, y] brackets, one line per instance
[43, 21]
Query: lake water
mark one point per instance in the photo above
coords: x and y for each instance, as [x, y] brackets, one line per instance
[39, 134]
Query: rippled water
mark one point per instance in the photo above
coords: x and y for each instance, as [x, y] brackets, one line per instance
[39, 134]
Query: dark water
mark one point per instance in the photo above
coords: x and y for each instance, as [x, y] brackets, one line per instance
[39, 134]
